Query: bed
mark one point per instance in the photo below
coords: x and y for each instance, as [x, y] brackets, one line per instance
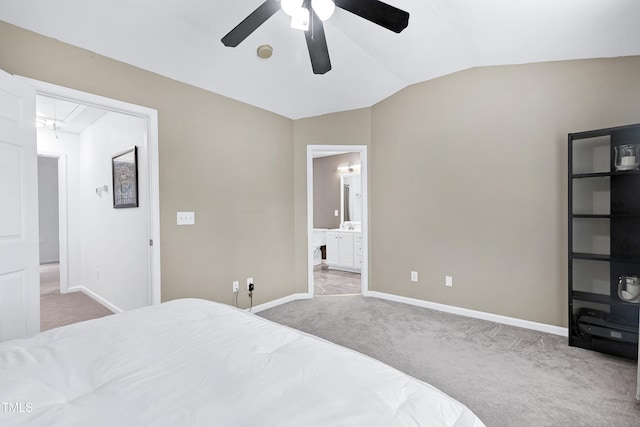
[193, 362]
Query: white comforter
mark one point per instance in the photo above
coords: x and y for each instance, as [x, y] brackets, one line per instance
[194, 362]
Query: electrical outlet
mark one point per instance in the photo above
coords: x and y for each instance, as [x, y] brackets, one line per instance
[448, 280]
[236, 286]
[336, 213]
[250, 284]
[414, 276]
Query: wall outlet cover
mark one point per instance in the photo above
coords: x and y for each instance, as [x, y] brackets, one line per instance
[249, 282]
[186, 218]
[448, 280]
[236, 286]
[414, 276]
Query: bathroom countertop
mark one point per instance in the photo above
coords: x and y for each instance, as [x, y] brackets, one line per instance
[345, 230]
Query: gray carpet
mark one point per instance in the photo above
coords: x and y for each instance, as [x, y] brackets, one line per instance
[58, 309]
[506, 375]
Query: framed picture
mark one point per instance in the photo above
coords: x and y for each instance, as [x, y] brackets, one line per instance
[124, 167]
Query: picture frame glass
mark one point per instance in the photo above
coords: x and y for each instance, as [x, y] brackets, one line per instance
[125, 179]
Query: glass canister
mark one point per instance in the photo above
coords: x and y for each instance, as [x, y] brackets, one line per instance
[629, 288]
[626, 157]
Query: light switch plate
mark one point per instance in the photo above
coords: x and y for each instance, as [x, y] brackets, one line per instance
[336, 213]
[186, 218]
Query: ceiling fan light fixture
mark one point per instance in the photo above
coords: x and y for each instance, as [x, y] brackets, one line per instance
[323, 8]
[300, 20]
[290, 7]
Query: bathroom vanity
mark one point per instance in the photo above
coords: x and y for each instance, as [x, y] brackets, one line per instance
[344, 250]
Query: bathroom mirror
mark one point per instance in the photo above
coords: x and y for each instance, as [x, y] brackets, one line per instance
[350, 198]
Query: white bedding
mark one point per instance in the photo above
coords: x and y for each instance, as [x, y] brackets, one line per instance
[193, 362]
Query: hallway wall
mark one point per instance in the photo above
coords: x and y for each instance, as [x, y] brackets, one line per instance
[48, 209]
[68, 145]
[115, 242]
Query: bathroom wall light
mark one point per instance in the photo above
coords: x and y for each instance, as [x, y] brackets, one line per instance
[349, 168]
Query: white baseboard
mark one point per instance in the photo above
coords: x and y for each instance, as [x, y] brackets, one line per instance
[280, 301]
[527, 324]
[512, 321]
[95, 297]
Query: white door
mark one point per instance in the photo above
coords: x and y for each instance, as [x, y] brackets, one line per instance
[19, 259]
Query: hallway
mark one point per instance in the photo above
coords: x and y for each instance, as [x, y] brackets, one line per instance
[58, 309]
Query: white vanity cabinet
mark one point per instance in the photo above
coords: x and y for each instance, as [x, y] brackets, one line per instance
[344, 250]
[357, 251]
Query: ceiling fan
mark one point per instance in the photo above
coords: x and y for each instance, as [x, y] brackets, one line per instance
[308, 15]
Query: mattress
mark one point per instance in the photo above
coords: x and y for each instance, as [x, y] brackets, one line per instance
[197, 363]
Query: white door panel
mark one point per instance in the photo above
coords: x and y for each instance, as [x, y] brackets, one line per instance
[10, 191]
[19, 269]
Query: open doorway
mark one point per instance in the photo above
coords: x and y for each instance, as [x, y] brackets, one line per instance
[102, 250]
[337, 220]
[57, 308]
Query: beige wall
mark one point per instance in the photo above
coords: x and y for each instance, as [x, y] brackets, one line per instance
[220, 158]
[468, 178]
[326, 188]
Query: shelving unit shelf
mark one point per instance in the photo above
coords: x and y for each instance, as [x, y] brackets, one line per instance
[604, 241]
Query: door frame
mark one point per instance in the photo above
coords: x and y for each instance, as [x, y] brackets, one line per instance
[151, 119]
[62, 216]
[364, 174]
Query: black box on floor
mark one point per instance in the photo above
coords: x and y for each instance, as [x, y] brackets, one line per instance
[609, 334]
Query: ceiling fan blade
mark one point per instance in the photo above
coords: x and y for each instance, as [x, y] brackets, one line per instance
[317, 44]
[380, 13]
[249, 24]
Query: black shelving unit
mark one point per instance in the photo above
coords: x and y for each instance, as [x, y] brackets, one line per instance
[604, 241]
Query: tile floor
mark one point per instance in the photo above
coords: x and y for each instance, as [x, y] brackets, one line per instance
[335, 282]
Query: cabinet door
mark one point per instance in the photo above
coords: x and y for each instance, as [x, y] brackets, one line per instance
[346, 250]
[358, 262]
[357, 247]
[333, 249]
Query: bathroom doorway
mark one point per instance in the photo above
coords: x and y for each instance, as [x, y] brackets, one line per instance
[337, 220]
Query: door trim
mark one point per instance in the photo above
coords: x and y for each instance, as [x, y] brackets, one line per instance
[364, 173]
[151, 118]
[62, 217]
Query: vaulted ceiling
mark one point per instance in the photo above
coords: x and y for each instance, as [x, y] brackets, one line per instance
[181, 40]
